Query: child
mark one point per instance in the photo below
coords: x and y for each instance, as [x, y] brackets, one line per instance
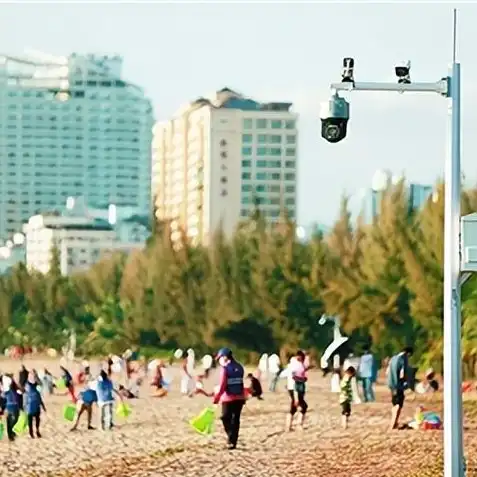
[346, 395]
[255, 388]
[33, 405]
[105, 391]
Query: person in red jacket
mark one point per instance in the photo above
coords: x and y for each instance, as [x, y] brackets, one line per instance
[230, 394]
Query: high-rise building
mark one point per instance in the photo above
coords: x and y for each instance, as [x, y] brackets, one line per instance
[70, 126]
[220, 156]
[418, 194]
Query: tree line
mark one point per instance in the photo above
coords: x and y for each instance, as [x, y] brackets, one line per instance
[260, 291]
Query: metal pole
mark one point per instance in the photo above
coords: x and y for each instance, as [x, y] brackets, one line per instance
[336, 336]
[453, 442]
[436, 87]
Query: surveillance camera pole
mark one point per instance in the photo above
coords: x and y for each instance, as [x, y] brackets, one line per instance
[336, 335]
[450, 88]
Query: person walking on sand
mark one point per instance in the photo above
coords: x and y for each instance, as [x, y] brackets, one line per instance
[296, 385]
[398, 375]
[33, 406]
[11, 402]
[105, 392]
[366, 374]
[230, 394]
[346, 395]
[86, 400]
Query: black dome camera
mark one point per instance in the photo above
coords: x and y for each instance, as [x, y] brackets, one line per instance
[334, 117]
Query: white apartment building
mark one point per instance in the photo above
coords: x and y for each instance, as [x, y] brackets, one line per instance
[70, 126]
[218, 157]
[81, 241]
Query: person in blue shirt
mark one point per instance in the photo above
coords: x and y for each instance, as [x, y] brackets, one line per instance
[11, 404]
[366, 374]
[399, 379]
[33, 405]
[86, 400]
[105, 392]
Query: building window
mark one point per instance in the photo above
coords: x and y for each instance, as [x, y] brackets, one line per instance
[262, 138]
[290, 176]
[262, 124]
[261, 176]
[261, 151]
[246, 200]
[275, 151]
[246, 151]
[290, 189]
[276, 124]
[275, 176]
[290, 124]
[246, 188]
[248, 123]
[261, 163]
[291, 139]
[275, 139]
[290, 201]
[247, 138]
[275, 164]
[246, 176]
[246, 163]
[261, 188]
[290, 164]
[291, 152]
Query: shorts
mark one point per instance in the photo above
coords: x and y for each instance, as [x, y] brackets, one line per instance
[397, 398]
[346, 409]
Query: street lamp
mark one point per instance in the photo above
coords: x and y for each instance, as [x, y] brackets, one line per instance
[334, 117]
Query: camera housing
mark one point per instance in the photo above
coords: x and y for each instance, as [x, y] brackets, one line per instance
[334, 115]
[347, 76]
[403, 72]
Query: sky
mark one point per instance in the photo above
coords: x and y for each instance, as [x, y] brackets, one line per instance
[285, 52]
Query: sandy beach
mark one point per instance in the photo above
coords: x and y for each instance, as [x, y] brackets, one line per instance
[156, 440]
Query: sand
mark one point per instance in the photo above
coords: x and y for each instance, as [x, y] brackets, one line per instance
[157, 440]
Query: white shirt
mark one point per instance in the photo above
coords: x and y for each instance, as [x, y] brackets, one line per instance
[273, 364]
[366, 366]
[294, 367]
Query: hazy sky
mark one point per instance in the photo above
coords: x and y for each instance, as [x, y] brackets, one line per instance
[287, 52]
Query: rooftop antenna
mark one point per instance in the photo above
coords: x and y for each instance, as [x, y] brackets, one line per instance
[454, 39]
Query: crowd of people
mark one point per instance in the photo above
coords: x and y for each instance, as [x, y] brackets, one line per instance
[23, 398]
